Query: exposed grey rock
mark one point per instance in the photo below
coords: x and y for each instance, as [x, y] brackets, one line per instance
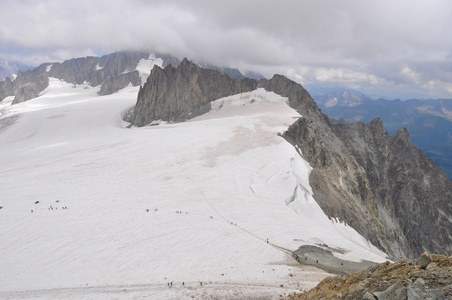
[368, 296]
[405, 185]
[176, 94]
[412, 294]
[31, 88]
[339, 183]
[395, 291]
[115, 64]
[424, 260]
[378, 184]
[435, 294]
[77, 70]
[419, 284]
[115, 83]
[388, 281]
[6, 88]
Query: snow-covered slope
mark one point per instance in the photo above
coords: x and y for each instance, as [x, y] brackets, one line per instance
[190, 202]
[145, 66]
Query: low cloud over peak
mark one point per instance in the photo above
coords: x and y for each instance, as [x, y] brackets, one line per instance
[381, 45]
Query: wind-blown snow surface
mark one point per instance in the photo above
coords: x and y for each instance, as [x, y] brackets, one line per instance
[216, 187]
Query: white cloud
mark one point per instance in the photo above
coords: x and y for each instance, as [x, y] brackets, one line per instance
[448, 88]
[364, 39]
[346, 76]
[411, 75]
[438, 86]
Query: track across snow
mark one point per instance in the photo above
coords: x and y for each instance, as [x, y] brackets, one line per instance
[190, 202]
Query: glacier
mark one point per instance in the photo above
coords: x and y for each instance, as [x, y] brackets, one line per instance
[93, 208]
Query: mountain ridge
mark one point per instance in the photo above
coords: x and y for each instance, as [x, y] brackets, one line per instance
[167, 91]
[112, 72]
[429, 121]
[345, 176]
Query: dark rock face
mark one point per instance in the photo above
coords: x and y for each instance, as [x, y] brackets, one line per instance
[114, 71]
[77, 70]
[27, 85]
[118, 82]
[176, 94]
[381, 185]
[6, 88]
[299, 98]
[409, 188]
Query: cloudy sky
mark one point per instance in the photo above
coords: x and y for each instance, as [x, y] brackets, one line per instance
[390, 48]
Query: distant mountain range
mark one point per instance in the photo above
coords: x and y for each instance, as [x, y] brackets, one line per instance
[112, 72]
[10, 69]
[429, 121]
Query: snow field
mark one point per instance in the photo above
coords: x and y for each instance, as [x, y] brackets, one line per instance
[222, 183]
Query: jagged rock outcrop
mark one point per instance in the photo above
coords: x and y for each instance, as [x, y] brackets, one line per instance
[408, 186]
[27, 85]
[114, 71]
[382, 186]
[6, 88]
[176, 94]
[388, 281]
[31, 88]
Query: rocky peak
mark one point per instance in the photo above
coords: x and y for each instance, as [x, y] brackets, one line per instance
[403, 135]
[426, 278]
[176, 94]
[377, 127]
[185, 65]
[381, 185]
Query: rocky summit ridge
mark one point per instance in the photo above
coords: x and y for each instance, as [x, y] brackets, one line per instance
[381, 185]
[429, 277]
[177, 94]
